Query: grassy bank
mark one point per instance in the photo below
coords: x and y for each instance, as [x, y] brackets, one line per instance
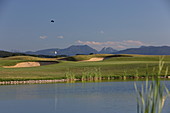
[112, 66]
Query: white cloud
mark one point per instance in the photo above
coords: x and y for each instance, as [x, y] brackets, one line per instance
[89, 42]
[133, 42]
[61, 37]
[43, 37]
[115, 44]
[120, 47]
[101, 32]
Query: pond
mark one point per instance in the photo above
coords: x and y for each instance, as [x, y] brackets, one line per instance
[99, 97]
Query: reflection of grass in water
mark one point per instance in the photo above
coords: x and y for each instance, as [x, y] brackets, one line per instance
[152, 95]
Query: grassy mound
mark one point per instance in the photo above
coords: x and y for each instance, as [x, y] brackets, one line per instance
[10, 61]
[26, 58]
[85, 57]
[137, 58]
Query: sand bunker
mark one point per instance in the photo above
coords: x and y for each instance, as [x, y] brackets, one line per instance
[24, 64]
[95, 59]
[30, 64]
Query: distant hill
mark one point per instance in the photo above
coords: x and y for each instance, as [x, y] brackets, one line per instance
[44, 52]
[147, 50]
[72, 50]
[107, 50]
[7, 54]
[77, 49]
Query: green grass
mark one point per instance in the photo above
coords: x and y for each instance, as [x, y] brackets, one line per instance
[112, 67]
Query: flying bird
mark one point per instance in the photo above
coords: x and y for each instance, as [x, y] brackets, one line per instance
[52, 21]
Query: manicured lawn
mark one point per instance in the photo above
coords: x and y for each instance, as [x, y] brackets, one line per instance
[115, 66]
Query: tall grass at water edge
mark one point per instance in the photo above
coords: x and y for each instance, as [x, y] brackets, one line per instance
[93, 74]
[70, 76]
[88, 74]
[151, 96]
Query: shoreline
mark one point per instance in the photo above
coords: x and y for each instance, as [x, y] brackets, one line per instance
[15, 82]
[32, 82]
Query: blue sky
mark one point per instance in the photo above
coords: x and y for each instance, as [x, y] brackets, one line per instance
[25, 24]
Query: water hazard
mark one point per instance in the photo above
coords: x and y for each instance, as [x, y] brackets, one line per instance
[101, 97]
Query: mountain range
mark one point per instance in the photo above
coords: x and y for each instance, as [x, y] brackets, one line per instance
[85, 50]
[72, 50]
[107, 50]
[146, 50]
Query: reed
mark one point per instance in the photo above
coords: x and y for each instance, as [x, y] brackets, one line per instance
[136, 75]
[91, 74]
[70, 76]
[88, 74]
[151, 96]
[109, 77]
[124, 76]
[83, 77]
